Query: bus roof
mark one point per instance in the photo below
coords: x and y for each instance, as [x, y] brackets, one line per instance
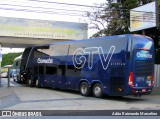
[100, 38]
[17, 58]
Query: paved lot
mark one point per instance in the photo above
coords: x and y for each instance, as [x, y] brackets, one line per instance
[19, 97]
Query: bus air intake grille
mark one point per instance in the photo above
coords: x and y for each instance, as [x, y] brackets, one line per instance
[143, 68]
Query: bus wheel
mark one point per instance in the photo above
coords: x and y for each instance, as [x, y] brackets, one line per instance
[18, 81]
[14, 79]
[37, 83]
[97, 90]
[84, 89]
[30, 83]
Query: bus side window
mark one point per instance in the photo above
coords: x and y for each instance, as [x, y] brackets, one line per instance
[60, 50]
[71, 67]
[72, 71]
[51, 70]
[42, 51]
[62, 69]
[30, 70]
[41, 70]
[36, 70]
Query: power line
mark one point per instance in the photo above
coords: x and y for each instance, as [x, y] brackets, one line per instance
[49, 2]
[55, 9]
[83, 5]
[66, 3]
[46, 12]
[62, 9]
[51, 12]
[120, 9]
[41, 7]
[27, 10]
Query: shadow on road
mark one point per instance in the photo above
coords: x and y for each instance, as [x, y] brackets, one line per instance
[129, 99]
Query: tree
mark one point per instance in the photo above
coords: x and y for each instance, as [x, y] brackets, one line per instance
[7, 59]
[114, 18]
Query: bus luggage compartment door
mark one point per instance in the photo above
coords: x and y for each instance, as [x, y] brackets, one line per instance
[117, 81]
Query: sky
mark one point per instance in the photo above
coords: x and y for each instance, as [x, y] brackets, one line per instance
[46, 11]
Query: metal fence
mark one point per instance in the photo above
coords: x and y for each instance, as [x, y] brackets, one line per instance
[157, 75]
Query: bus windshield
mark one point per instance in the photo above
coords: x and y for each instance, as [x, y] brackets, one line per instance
[142, 43]
[43, 51]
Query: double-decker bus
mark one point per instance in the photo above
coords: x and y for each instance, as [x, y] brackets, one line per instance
[113, 65]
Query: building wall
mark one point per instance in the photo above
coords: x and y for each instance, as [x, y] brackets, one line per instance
[156, 89]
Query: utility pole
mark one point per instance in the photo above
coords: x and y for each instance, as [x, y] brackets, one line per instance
[8, 76]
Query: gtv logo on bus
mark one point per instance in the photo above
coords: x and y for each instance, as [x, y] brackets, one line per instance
[80, 56]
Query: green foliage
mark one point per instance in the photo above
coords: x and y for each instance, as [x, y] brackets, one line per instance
[7, 59]
[115, 19]
[158, 2]
[157, 56]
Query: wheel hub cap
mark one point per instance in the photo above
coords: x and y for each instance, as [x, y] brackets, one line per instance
[37, 82]
[97, 90]
[84, 89]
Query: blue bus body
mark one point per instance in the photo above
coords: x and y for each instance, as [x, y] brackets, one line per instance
[113, 65]
[23, 67]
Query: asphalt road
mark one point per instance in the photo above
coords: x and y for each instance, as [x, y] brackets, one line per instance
[22, 97]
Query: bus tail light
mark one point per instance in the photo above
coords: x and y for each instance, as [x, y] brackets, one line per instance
[152, 79]
[131, 79]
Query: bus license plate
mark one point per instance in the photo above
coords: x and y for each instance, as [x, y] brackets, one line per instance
[143, 90]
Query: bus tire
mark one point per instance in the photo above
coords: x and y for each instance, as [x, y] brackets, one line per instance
[97, 90]
[85, 89]
[18, 81]
[14, 79]
[30, 83]
[37, 83]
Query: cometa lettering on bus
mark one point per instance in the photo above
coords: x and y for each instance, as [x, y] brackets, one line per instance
[39, 60]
